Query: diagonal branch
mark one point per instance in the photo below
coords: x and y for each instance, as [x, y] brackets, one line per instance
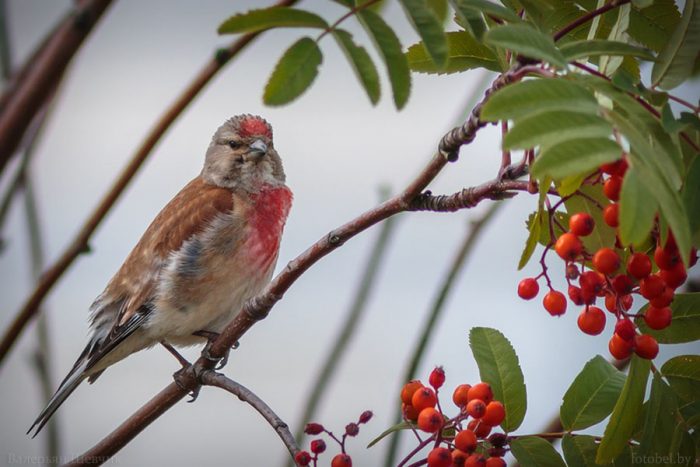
[80, 243]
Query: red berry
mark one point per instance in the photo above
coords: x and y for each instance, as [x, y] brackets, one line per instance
[619, 347]
[440, 457]
[365, 416]
[652, 286]
[646, 346]
[495, 462]
[612, 187]
[619, 167]
[459, 458]
[430, 420]
[423, 398]
[568, 246]
[475, 460]
[658, 318]
[437, 377]
[555, 303]
[575, 295]
[461, 395]
[409, 412]
[611, 214]
[313, 428]
[591, 320]
[480, 429]
[625, 329]
[409, 389]
[572, 271]
[581, 224]
[351, 429]
[639, 266]
[466, 441]
[481, 391]
[622, 284]
[674, 277]
[341, 460]
[476, 408]
[495, 413]
[606, 260]
[528, 288]
[665, 259]
[614, 303]
[302, 458]
[664, 299]
[591, 283]
[318, 446]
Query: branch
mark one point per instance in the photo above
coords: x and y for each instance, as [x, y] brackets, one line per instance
[44, 71]
[258, 307]
[587, 17]
[211, 378]
[468, 197]
[80, 243]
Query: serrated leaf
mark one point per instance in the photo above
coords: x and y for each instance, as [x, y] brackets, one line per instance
[499, 366]
[361, 63]
[429, 28]
[389, 48]
[534, 225]
[660, 425]
[580, 451]
[603, 235]
[568, 185]
[676, 60]
[392, 429]
[685, 321]
[652, 26]
[597, 47]
[464, 53]
[691, 195]
[525, 98]
[574, 156]
[638, 208]
[294, 73]
[592, 395]
[527, 41]
[550, 128]
[533, 451]
[626, 412]
[467, 7]
[683, 374]
[268, 18]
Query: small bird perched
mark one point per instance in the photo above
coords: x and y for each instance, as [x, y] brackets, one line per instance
[210, 249]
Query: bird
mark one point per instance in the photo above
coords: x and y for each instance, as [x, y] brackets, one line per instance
[209, 250]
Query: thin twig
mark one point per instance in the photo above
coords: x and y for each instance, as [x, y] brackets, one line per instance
[471, 236]
[353, 11]
[587, 17]
[80, 243]
[352, 319]
[212, 378]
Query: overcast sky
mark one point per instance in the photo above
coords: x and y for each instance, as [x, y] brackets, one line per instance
[337, 150]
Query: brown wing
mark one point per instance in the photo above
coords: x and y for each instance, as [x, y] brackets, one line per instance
[187, 214]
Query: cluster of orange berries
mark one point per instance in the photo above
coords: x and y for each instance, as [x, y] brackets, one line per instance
[318, 446]
[455, 445]
[607, 279]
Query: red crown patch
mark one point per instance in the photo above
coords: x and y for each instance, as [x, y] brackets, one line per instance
[253, 126]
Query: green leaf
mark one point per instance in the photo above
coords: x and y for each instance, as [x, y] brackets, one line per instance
[550, 128]
[464, 53]
[685, 324]
[439, 8]
[574, 156]
[593, 48]
[361, 63]
[527, 41]
[533, 451]
[580, 451]
[638, 208]
[592, 395]
[652, 26]
[683, 374]
[603, 234]
[626, 412]
[499, 366]
[529, 97]
[676, 60]
[404, 425]
[294, 73]
[691, 195]
[465, 8]
[389, 48]
[429, 28]
[660, 424]
[534, 225]
[608, 65]
[268, 18]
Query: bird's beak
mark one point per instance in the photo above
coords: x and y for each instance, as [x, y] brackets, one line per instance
[258, 148]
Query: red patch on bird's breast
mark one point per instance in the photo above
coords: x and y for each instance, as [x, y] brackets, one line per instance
[272, 206]
[253, 126]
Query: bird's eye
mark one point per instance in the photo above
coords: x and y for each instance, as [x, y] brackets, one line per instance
[234, 144]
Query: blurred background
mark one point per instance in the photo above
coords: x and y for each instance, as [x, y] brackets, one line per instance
[338, 151]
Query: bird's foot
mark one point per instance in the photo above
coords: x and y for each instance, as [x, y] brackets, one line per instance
[183, 378]
[211, 336]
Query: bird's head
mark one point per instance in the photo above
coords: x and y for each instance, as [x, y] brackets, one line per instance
[242, 155]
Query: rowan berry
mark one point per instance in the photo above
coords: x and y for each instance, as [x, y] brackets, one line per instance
[437, 377]
[619, 167]
[498, 440]
[424, 397]
[341, 460]
[568, 246]
[528, 288]
[611, 214]
[606, 260]
[365, 416]
[658, 318]
[575, 295]
[572, 271]
[302, 458]
[351, 429]
[619, 347]
[581, 224]
[475, 460]
[409, 389]
[313, 428]
[674, 277]
[622, 284]
[409, 412]
[664, 299]
[481, 391]
[666, 259]
[495, 462]
[460, 396]
[440, 457]
[466, 441]
[591, 320]
[646, 346]
[613, 302]
[480, 429]
[495, 413]
[591, 283]
[555, 303]
[430, 420]
[639, 265]
[318, 446]
[459, 458]
[625, 329]
[476, 408]
[652, 286]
